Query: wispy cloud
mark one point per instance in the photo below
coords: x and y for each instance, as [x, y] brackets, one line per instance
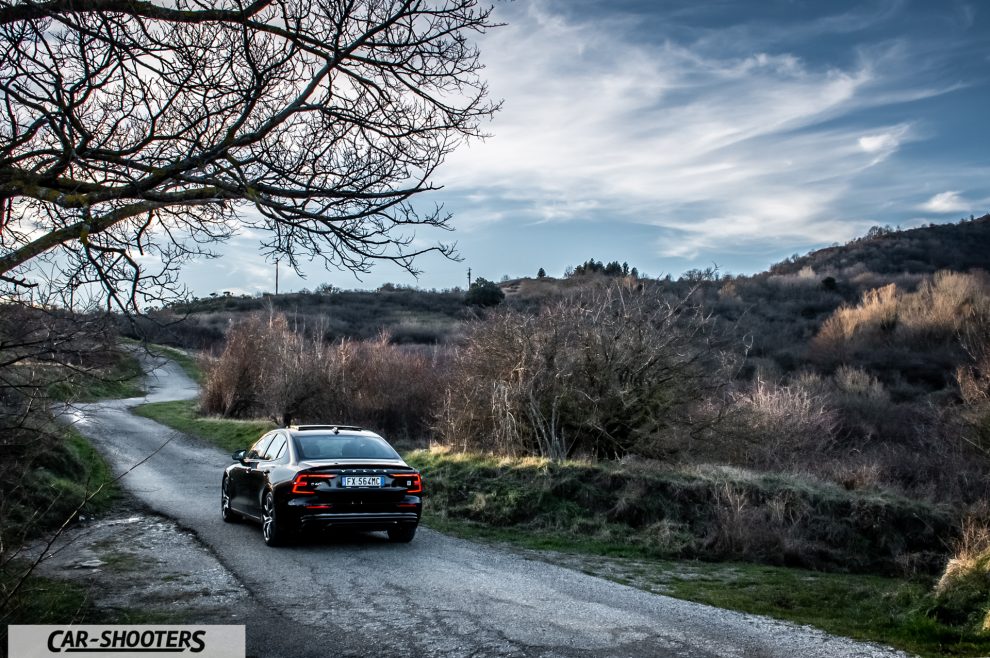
[683, 135]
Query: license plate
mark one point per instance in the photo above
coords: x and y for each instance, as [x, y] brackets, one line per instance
[362, 481]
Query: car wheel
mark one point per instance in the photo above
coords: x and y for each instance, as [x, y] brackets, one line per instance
[402, 534]
[273, 529]
[226, 513]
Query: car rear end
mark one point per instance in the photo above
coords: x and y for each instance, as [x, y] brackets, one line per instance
[366, 496]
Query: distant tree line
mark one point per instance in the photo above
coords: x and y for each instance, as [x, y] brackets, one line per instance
[614, 269]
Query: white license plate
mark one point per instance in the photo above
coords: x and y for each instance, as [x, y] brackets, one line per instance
[362, 481]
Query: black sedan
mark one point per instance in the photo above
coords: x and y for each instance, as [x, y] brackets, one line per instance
[322, 476]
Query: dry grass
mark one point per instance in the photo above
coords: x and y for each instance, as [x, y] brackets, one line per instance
[932, 316]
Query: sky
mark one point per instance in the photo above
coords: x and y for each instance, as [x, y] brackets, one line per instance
[680, 134]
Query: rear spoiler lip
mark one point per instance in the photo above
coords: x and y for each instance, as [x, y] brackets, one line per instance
[317, 465]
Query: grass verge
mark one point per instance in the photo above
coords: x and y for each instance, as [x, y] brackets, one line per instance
[707, 512]
[120, 378]
[493, 499]
[42, 600]
[62, 477]
[887, 610]
[182, 415]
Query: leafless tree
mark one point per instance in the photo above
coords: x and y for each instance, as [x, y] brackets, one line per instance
[134, 135]
[607, 373]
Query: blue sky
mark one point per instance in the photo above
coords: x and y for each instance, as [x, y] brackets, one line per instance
[678, 134]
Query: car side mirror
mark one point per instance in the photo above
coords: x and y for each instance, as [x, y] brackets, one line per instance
[239, 455]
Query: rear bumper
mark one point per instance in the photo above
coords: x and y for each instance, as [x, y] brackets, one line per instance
[366, 520]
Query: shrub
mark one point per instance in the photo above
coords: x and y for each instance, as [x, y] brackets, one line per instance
[962, 595]
[777, 421]
[484, 293]
[605, 373]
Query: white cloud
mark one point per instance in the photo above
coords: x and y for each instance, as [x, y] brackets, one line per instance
[598, 124]
[883, 144]
[947, 202]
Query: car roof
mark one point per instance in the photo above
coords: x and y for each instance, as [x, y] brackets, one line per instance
[350, 430]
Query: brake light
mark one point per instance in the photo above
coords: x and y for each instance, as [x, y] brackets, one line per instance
[414, 483]
[304, 483]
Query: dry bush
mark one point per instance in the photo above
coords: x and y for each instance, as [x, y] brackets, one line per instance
[233, 383]
[780, 422]
[391, 387]
[605, 373]
[974, 377]
[962, 595]
[269, 368]
[876, 313]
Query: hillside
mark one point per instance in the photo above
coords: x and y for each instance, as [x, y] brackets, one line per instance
[408, 315]
[958, 247]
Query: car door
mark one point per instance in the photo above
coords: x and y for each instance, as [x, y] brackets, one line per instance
[244, 478]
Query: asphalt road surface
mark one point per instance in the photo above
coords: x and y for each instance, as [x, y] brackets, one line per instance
[438, 596]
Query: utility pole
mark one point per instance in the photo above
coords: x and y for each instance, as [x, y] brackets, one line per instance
[276, 276]
[469, 278]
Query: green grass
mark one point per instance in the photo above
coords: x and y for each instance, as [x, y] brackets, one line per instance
[42, 600]
[120, 379]
[886, 610]
[62, 476]
[528, 503]
[231, 435]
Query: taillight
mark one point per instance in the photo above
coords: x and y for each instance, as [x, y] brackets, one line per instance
[414, 483]
[305, 483]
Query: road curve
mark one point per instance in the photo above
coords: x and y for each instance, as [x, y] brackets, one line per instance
[438, 596]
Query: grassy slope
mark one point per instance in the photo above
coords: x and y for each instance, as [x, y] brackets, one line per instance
[888, 610]
[62, 479]
[709, 512]
[121, 380]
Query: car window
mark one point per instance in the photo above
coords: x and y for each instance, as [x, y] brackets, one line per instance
[258, 449]
[277, 447]
[343, 446]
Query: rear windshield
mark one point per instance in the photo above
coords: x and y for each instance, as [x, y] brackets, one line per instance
[343, 446]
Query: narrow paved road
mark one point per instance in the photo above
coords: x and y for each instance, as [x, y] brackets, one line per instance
[437, 596]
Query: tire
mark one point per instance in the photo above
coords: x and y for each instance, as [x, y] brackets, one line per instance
[402, 534]
[273, 530]
[226, 513]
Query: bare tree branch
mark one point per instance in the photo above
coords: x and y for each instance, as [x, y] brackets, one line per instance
[135, 128]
